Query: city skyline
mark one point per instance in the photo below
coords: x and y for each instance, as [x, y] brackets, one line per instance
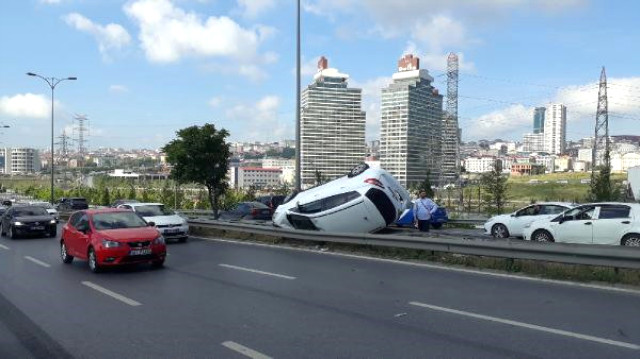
[231, 63]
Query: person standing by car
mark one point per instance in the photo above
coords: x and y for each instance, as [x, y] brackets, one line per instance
[423, 208]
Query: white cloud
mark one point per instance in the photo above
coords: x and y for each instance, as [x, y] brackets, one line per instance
[110, 37]
[118, 89]
[254, 8]
[215, 101]
[581, 101]
[26, 105]
[168, 33]
[260, 121]
[51, 2]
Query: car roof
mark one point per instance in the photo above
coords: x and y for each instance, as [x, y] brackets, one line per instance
[104, 210]
[564, 204]
[611, 204]
[138, 204]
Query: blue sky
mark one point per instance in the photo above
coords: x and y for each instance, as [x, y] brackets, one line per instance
[147, 68]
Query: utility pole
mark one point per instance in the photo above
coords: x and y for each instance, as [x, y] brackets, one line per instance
[82, 129]
[63, 145]
[600, 151]
[298, 140]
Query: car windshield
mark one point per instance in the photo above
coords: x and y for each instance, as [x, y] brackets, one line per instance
[29, 211]
[154, 210]
[43, 205]
[117, 220]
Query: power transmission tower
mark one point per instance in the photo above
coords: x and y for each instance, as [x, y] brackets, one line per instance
[600, 152]
[83, 130]
[451, 135]
[63, 145]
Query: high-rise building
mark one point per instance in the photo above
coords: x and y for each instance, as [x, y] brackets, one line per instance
[411, 125]
[538, 119]
[21, 161]
[533, 142]
[450, 165]
[555, 128]
[332, 128]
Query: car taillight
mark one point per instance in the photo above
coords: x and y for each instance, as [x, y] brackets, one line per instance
[374, 181]
[254, 211]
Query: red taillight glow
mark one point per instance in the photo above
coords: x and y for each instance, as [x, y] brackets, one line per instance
[254, 211]
[374, 181]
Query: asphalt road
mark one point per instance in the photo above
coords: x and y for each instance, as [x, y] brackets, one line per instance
[216, 299]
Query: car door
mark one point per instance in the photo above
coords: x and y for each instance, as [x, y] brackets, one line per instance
[576, 226]
[612, 223]
[77, 238]
[522, 218]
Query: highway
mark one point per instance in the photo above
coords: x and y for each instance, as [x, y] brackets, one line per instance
[221, 299]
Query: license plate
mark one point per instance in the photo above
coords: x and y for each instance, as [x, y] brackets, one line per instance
[171, 231]
[140, 252]
[38, 228]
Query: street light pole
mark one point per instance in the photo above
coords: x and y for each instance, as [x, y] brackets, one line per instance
[52, 82]
[298, 140]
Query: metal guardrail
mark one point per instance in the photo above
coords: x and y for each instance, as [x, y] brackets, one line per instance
[596, 255]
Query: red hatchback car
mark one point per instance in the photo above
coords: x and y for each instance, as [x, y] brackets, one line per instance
[110, 237]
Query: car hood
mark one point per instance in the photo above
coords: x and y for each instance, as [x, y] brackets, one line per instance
[46, 218]
[51, 210]
[130, 234]
[164, 220]
[501, 217]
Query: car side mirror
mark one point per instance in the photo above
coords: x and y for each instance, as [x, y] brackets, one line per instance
[151, 224]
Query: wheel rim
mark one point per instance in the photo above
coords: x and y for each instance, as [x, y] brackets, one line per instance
[63, 251]
[92, 260]
[632, 242]
[10, 232]
[499, 231]
[542, 237]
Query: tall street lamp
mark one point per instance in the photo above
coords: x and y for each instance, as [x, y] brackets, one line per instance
[52, 82]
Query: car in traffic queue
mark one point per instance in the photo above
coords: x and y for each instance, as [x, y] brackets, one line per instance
[111, 237]
[49, 207]
[119, 202]
[363, 201]
[72, 204]
[595, 223]
[438, 218]
[23, 220]
[513, 224]
[271, 201]
[170, 224]
[248, 211]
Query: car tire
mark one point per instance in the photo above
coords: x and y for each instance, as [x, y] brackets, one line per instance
[12, 234]
[631, 240]
[542, 235]
[436, 225]
[499, 231]
[53, 234]
[66, 258]
[2, 233]
[359, 169]
[93, 261]
[158, 264]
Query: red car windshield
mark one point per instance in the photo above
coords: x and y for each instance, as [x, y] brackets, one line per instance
[117, 220]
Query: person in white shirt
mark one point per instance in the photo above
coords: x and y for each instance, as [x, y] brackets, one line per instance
[423, 208]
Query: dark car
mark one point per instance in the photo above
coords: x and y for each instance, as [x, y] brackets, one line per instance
[271, 201]
[438, 218]
[28, 220]
[72, 204]
[248, 210]
[120, 202]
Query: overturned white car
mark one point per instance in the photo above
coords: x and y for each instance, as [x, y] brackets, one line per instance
[365, 200]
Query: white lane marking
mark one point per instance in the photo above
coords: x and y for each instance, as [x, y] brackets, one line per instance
[530, 326]
[248, 352]
[4, 247]
[435, 266]
[113, 295]
[37, 261]
[257, 271]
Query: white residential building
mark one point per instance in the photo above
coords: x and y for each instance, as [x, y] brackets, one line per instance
[411, 125]
[555, 128]
[258, 177]
[479, 164]
[622, 162]
[332, 126]
[21, 161]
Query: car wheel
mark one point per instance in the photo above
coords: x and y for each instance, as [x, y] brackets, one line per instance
[158, 264]
[53, 233]
[2, 229]
[436, 225]
[66, 258]
[499, 231]
[12, 233]
[542, 235]
[631, 240]
[358, 170]
[93, 261]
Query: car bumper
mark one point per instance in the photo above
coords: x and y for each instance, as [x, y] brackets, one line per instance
[26, 230]
[174, 232]
[123, 256]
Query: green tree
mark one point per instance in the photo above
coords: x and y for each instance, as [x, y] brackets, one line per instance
[602, 189]
[426, 185]
[145, 195]
[105, 199]
[495, 187]
[132, 193]
[200, 155]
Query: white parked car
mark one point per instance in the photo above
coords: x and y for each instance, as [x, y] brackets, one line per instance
[595, 223]
[365, 200]
[49, 207]
[170, 224]
[512, 225]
